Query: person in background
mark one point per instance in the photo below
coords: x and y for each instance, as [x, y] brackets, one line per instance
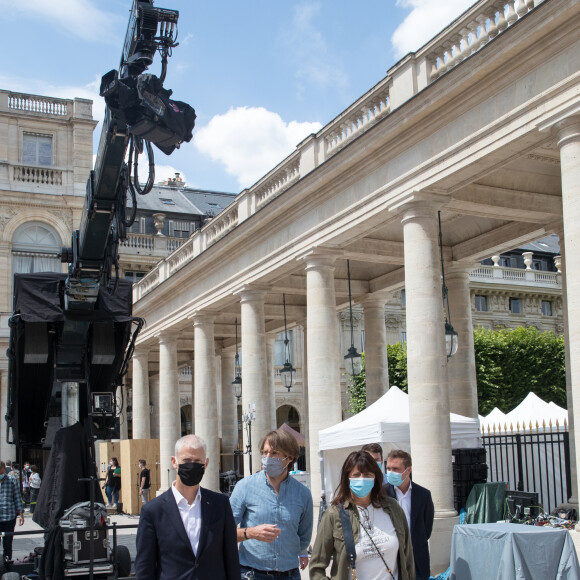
[274, 512]
[382, 542]
[25, 485]
[188, 532]
[144, 481]
[376, 452]
[34, 482]
[113, 483]
[417, 504]
[11, 508]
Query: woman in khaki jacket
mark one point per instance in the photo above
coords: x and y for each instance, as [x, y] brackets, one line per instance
[379, 526]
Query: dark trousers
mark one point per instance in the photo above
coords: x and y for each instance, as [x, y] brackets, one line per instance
[33, 497]
[7, 545]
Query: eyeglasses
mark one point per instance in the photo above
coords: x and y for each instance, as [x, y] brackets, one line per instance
[365, 518]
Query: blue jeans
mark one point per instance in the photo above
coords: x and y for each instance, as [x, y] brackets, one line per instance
[112, 495]
[250, 574]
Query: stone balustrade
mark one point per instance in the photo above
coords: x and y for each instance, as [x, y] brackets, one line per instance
[517, 276]
[473, 30]
[470, 32]
[43, 105]
[36, 175]
[150, 245]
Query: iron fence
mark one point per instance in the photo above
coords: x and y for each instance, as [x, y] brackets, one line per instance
[533, 462]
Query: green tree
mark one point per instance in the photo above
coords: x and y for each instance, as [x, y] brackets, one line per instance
[512, 362]
[509, 363]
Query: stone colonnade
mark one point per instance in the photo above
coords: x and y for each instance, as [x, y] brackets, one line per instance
[430, 371]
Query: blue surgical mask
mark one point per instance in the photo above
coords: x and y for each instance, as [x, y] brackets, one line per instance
[380, 464]
[394, 478]
[2, 476]
[362, 486]
[273, 466]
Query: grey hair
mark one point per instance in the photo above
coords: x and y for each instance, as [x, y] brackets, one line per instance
[193, 441]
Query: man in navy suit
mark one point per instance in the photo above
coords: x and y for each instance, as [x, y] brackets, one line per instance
[187, 533]
[416, 503]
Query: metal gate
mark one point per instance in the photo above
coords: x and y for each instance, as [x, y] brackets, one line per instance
[535, 461]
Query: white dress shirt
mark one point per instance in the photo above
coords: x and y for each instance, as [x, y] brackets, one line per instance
[190, 516]
[404, 500]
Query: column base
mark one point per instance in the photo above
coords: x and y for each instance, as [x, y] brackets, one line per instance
[440, 543]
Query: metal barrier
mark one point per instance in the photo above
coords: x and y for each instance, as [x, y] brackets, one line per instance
[537, 462]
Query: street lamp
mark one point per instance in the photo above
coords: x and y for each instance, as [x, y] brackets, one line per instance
[248, 418]
[451, 336]
[287, 371]
[352, 354]
[237, 382]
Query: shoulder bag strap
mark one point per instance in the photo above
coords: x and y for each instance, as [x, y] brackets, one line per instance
[348, 539]
[377, 549]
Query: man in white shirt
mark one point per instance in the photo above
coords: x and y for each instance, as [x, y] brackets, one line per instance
[416, 503]
[188, 532]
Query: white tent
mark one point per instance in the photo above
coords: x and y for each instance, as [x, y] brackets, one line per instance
[533, 409]
[386, 422]
[496, 417]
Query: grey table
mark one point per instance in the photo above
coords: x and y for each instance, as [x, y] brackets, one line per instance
[512, 552]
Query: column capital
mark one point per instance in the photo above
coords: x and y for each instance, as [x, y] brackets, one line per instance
[141, 351]
[453, 269]
[376, 299]
[568, 130]
[320, 256]
[252, 292]
[200, 317]
[423, 206]
[167, 336]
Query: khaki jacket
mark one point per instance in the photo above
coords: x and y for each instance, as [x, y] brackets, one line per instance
[330, 543]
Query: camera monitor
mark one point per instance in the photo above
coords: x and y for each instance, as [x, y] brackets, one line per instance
[522, 504]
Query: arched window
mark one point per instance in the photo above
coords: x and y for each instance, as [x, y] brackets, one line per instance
[35, 248]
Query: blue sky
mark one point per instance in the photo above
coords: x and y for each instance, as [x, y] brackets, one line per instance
[261, 74]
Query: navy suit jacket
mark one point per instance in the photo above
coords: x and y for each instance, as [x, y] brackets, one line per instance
[422, 514]
[164, 551]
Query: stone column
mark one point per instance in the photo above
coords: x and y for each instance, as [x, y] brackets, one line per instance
[69, 403]
[270, 340]
[122, 401]
[573, 475]
[7, 450]
[324, 397]
[169, 415]
[229, 411]
[192, 366]
[569, 145]
[141, 410]
[461, 366]
[154, 409]
[206, 424]
[376, 360]
[426, 358]
[255, 389]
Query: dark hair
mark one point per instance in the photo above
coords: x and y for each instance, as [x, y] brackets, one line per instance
[34, 469]
[142, 462]
[373, 448]
[282, 441]
[366, 464]
[400, 454]
[115, 462]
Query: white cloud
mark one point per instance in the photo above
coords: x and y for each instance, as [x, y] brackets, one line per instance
[250, 141]
[426, 19]
[82, 18]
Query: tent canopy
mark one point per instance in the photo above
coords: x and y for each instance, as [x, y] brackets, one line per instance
[386, 422]
[533, 409]
[297, 435]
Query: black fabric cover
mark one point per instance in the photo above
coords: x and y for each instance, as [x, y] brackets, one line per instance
[69, 461]
[40, 298]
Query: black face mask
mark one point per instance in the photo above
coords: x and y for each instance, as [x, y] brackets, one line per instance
[190, 473]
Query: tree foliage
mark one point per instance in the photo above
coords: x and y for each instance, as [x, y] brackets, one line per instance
[509, 362]
[512, 362]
